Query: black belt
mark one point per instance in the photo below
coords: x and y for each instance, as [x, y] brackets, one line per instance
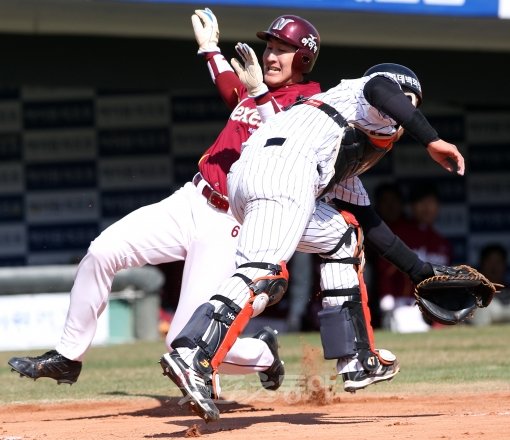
[214, 198]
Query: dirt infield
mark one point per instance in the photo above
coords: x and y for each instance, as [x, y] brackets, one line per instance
[453, 417]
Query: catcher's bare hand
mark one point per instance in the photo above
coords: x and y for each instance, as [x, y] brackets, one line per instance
[250, 73]
[206, 30]
[447, 155]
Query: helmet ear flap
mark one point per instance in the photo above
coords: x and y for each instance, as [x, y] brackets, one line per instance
[303, 61]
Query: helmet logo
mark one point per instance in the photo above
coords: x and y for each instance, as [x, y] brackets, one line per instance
[281, 23]
[404, 79]
[310, 42]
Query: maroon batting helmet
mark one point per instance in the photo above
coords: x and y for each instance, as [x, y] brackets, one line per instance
[297, 32]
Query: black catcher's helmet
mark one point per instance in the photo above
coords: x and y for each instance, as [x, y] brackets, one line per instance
[297, 32]
[405, 77]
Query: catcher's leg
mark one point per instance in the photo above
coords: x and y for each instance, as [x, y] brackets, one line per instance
[214, 327]
[345, 327]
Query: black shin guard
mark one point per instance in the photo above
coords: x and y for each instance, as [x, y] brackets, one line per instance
[206, 329]
[344, 329]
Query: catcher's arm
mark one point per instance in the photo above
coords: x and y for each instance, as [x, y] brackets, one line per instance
[447, 155]
[383, 240]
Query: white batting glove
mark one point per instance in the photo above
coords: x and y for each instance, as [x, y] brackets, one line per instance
[207, 32]
[251, 73]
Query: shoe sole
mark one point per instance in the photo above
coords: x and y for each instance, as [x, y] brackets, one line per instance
[352, 386]
[204, 408]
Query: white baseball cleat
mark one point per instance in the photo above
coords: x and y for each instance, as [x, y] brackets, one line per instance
[196, 389]
[357, 380]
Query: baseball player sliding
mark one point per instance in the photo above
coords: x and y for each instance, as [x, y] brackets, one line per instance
[195, 223]
[296, 186]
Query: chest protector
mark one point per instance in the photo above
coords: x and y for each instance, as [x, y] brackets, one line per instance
[359, 152]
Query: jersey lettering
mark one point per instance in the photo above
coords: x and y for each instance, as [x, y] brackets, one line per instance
[247, 115]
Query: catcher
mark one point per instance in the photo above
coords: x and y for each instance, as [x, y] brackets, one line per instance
[278, 190]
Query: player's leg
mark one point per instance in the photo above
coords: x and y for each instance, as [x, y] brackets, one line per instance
[210, 259]
[271, 230]
[345, 327]
[150, 235]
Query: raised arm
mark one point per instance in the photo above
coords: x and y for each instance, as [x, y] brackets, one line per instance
[251, 75]
[206, 29]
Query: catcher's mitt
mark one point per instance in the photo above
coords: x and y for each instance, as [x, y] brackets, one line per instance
[453, 293]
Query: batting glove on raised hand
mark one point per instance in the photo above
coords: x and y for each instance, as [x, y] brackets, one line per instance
[251, 73]
[207, 32]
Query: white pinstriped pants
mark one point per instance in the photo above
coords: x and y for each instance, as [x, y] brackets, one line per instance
[275, 200]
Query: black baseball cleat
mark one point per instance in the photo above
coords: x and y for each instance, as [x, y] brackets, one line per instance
[357, 380]
[50, 364]
[272, 378]
[196, 389]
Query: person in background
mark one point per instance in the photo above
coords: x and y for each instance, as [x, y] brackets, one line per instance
[418, 232]
[493, 263]
[389, 203]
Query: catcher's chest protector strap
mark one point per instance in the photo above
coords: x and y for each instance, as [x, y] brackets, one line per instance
[326, 108]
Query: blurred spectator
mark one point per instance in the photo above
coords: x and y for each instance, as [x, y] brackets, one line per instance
[493, 263]
[389, 203]
[419, 233]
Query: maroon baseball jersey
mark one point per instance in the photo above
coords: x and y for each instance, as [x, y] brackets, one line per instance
[243, 121]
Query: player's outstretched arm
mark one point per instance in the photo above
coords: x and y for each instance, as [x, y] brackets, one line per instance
[206, 29]
[447, 155]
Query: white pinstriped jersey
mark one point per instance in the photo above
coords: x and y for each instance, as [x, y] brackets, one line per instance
[309, 132]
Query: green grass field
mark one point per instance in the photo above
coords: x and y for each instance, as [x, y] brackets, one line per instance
[452, 359]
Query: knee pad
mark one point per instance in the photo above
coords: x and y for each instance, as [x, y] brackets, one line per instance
[267, 290]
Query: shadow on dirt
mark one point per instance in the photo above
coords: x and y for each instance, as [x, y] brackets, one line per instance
[245, 415]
